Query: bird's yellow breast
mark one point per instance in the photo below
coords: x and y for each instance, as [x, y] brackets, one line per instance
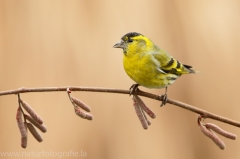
[143, 69]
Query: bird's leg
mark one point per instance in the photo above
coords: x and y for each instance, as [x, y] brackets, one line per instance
[133, 88]
[164, 101]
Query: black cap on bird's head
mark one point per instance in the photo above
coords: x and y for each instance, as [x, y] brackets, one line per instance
[130, 35]
[125, 39]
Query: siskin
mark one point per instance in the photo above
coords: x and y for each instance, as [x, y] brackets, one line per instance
[148, 65]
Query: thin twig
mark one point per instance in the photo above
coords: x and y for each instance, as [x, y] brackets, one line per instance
[202, 112]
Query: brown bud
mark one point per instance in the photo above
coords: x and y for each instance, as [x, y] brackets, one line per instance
[34, 132]
[68, 90]
[39, 126]
[144, 107]
[31, 112]
[212, 136]
[140, 115]
[80, 104]
[221, 131]
[83, 114]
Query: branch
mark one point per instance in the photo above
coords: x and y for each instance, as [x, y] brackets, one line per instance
[204, 113]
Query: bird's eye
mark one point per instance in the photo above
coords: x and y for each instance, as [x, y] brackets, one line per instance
[130, 40]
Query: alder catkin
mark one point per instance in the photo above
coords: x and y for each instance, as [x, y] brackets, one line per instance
[24, 142]
[34, 132]
[22, 127]
[83, 114]
[39, 126]
[81, 104]
[221, 131]
[148, 122]
[144, 107]
[20, 123]
[31, 112]
[24, 138]
[212, 136]
[140, 115]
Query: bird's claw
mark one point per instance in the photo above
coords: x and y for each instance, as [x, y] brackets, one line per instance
[164, 100]
[133, 88]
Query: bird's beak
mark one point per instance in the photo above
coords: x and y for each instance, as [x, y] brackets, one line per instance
[120, 44]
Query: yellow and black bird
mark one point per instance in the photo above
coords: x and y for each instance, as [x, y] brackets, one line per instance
[148, 65]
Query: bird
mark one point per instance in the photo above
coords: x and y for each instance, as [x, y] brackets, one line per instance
[148, 65]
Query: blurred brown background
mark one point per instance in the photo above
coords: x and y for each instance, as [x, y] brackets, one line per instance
[47, 43]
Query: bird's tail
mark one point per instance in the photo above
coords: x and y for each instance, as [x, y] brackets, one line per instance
[189, 69]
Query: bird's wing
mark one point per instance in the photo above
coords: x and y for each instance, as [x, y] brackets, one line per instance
[170, 65]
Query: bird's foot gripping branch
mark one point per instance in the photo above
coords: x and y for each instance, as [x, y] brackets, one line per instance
[82, 110]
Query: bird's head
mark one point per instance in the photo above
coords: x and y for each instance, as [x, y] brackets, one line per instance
[134, 43]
